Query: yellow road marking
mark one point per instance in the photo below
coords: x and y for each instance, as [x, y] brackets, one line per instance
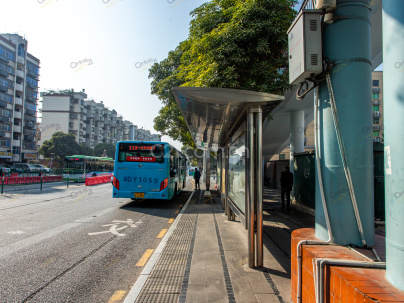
[171, 221]
[114, 261]
[48, 262]
[177, 211]
[161, 234]
[117, 296]
[145, 257]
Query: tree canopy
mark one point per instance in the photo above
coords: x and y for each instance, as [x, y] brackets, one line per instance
[108, 147]
[238, 44]
[61, 144]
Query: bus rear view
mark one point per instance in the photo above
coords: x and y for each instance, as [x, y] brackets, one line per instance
[142, 171]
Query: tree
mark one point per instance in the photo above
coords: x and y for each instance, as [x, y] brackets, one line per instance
[170, 122]
[61, 145]
[231, 44]
[108, 147]
[86, 150]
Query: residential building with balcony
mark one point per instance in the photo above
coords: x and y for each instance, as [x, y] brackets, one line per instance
[65, 111]
[90, 122]
[19, 76]
[377, 104]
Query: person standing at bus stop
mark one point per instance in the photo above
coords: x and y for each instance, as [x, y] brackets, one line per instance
[197, 176]
[286, 186]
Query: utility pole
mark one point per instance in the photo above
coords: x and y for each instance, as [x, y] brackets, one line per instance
[346, 153]
[393, 110]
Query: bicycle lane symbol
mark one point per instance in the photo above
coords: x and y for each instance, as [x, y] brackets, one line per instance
[115, 227]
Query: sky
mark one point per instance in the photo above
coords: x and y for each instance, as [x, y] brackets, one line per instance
[118, 39]
[102, 46]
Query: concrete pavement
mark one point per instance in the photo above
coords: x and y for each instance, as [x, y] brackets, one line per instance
[205, 257]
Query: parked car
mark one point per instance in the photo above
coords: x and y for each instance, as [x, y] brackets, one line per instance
[15, 169]
[43, 168]
[4, 169]
[27, 167]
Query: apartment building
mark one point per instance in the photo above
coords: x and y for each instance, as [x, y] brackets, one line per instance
[64, 111]
[19, 75]
[91, 122]
[377, 103]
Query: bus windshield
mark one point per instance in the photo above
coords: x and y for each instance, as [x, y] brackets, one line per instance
[137, 152]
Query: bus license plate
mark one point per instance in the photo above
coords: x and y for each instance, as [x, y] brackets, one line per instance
[139, 195]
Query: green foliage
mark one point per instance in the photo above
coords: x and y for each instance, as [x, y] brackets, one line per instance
[108, 147]
[86, 150]
[238, 44]
[61, 145]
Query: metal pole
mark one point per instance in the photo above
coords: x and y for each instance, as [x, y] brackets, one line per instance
[226, 178]
[247, 181]
[228, 210]
[393, 78]
[41, 179]
[251, 210]
[207, 181]
[259, 177]
[2, 184]
[67, 179]
[347, 164]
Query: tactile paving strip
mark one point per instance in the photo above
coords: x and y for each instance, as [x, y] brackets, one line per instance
[171, 272]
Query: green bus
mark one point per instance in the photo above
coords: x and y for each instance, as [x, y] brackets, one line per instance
[79, 167]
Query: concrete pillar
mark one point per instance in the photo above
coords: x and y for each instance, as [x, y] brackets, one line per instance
[346, 43]
[393, 109]
[296, 136]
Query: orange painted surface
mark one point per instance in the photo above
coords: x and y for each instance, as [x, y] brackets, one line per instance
[342, 284]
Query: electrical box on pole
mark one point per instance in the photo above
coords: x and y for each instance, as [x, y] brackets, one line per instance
[305, 46]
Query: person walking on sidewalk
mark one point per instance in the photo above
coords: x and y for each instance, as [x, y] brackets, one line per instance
[197, 176]
[286, 186]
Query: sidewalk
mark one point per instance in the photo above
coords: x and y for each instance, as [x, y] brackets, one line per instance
[204, 257]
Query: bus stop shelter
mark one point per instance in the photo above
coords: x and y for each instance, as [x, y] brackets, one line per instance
[230, 122]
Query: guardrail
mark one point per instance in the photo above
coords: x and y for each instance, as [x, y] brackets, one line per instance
[30, 180]
[97, 180]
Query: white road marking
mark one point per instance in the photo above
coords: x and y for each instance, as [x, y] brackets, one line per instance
[16, 232]
[114, 229]
[16, 246]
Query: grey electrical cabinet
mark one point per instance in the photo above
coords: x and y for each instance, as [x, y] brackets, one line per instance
[305, 47]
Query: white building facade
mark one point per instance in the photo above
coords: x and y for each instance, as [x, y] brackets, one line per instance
[90, 122]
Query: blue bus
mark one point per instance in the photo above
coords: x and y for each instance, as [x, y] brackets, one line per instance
[148, 170]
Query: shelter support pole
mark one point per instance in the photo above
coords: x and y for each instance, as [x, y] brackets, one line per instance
[207, 170]
[254, 209]
[251, 206]
[258, 182]
[203, 172]
[345, 109]
[393, 79]
[226, 179]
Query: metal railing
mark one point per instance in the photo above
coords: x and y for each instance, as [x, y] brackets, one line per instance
[308, 4]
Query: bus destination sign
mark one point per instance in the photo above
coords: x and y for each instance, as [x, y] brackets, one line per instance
[140, 159]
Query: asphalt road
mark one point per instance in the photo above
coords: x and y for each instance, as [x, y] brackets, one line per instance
[76, 244]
